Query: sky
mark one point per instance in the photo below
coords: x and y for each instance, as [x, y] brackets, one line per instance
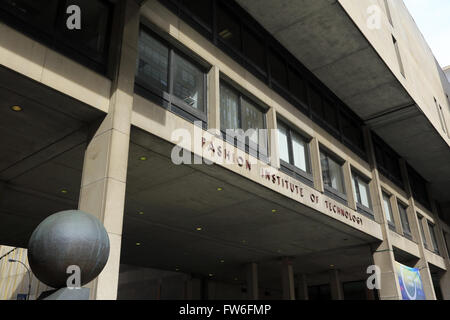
[433, 19]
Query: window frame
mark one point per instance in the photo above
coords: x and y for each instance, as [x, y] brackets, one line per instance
[334, 193]
[170, 101]
[421, 220]
[391, 224]
[433, 236]
[290, 168]
[356, 176]
[243, 96]
[408, 233]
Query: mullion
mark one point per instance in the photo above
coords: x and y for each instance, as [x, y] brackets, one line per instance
[171, 75]
[290, 147]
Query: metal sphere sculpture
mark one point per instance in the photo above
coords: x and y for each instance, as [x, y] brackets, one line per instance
[68, 238]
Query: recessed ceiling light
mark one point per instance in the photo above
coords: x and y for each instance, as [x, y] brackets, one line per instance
[222, 261]
[138, 244]
[64, 191]
[219, 189]
[211, 274]
[244, 241]
[16, 108]
[143, 158]
[141, 212]
[236, 279]
[274, 211]
[177, 269]
[199, 229]
[332, 265]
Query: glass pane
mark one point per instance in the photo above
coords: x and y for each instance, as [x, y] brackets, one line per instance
[297, 86]
[364, 193]
[254, 49]
[352, 131]
[299, 148]
[252, 118]
[332, 173]
[94, 25]
[228, 27]
[278, 69]
[330, 114]
[229, 108]
[355, 189]
[202, 9]
[433, 237]
[41, 14]
[316, 102]
[283, 143]
[404, 218]
[188, 83]
[387, 208]
[153, 62]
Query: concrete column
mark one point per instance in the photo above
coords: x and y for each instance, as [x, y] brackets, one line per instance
[252, 281]
[287, 278]
[422, 264]
[106, 158]
[337, 291]
[302, 287]
[383, 254]
[315, 164]
[193, 289]
[214, 98]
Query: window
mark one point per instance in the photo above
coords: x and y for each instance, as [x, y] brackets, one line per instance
[418, 187]
[229, 28]
[332, 175]
[433, 237]
[399, 57]
[405, 221]
[294, 151]
[351, 131]
[239, 112]
[447, 242]
[297, 86]
[278, 69]
[388, 162]
[46, 20]
[254, 49]
[175, 80]
[388, 210]
[323, 108]
[201, 10]
[441, 116]
[361, 191]
[422, 231]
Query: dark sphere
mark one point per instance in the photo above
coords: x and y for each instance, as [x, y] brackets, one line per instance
[65, 239]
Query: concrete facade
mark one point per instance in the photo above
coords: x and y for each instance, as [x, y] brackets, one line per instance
[228, 230]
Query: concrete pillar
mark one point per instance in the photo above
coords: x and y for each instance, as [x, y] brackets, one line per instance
[302, 287]
[193, 289]
[214, 99]
[106, 158]
[422, 263]
[252, 281]
[337, 291]
[287, 278]
[383, 254]
[315, 164]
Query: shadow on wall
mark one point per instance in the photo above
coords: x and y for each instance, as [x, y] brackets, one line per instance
[14, 277]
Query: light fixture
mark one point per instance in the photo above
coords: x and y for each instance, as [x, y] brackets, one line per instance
[138, 244]
[141, 213]
[236, 279]
[177, 269]
[64, 191]
[244, 241]
[143, 158]
[16, 108]
[211, 274]
[332, 265]
[274, 211]
[199, 229]
[222, 261]
[219, 189]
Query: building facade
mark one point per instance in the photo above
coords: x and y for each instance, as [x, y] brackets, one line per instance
[345, 164]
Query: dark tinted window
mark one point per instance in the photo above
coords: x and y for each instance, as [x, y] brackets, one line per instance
[330, 113]
[41, 14]
[278, 69]
[352, 131]
[316, 102]
[228, 28]
[201, 9]
[418, 186]
[297, 86]
[94, 25]
[254, 49]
